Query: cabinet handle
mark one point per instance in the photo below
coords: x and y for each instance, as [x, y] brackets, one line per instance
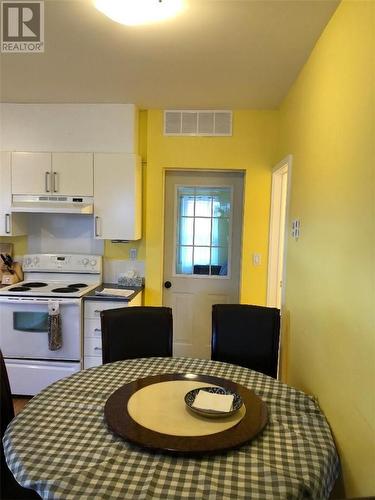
[97, 348]
[97, 311]
[97, 231]
[55, 182]
[47, 182]
[7, 223]
[97, 329]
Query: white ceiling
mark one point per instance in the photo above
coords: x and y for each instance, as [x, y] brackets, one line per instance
[218, 54]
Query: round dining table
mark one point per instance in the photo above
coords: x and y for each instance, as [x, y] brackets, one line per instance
[61, 446]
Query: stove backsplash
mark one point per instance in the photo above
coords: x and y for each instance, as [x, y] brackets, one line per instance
[62, 233]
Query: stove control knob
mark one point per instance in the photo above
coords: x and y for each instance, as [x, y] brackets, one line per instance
[85, 262]
[36, 260]
[27, 261]
[93, 262]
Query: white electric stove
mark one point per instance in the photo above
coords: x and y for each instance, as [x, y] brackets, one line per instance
[48, 278]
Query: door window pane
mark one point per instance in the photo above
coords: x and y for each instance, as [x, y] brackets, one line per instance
[203, 206]
[186, 201]
[203, 230]
[221, 203]
[219, 258]
[220, 232]
[202, 255]
[186, 231]
[184, 260]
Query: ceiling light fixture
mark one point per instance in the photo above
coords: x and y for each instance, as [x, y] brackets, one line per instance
[135, 12]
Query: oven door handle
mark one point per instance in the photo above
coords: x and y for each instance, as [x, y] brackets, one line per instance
[12, 300]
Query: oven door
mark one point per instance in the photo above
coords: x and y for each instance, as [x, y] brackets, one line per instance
[24, 328]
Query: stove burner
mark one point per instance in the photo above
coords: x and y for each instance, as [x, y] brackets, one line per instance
[35, 284]
[77, 285]
[65, 290]
[19, 289]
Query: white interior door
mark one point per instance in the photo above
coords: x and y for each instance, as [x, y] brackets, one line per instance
[276, 254]
[202, 253]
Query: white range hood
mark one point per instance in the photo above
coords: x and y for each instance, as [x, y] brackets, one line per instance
[53, 204]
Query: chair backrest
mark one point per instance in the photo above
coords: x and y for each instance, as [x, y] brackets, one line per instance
[136, 332]
[9, 488]
[246, 335]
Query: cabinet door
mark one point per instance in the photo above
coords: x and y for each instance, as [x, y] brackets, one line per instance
[10, 224]
[31, 173]
[117, 196]
[73, 174]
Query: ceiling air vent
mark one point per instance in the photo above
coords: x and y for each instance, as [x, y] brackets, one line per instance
[194, 122]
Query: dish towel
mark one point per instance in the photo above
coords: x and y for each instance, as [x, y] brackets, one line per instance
[54, 327]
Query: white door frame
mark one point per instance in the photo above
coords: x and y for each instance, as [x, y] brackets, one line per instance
[274, 235]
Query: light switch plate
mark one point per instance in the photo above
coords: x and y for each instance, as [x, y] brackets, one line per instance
[296, 228]
[257, 259]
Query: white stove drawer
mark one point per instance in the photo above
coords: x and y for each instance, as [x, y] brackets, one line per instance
[93, 347]
[93, 308]
[91, 361]
[93, 328]
[29, 377]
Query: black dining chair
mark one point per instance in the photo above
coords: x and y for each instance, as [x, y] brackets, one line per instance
[9, 488]
[136, 332]
[246, 335]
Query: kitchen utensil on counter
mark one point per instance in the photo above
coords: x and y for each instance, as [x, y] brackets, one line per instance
[9, 279]
[8, 261]
[5, 249]
[10, 271]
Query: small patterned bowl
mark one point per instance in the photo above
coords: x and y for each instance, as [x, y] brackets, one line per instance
[190, 397]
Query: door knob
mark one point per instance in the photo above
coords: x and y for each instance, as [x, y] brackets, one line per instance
[167, 284]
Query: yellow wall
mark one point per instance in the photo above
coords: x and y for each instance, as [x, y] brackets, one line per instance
[327, 123]
[252, 148]
[19, 243]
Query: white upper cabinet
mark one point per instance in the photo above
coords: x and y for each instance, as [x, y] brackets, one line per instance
[71, 128]
[69, 174]
[73, 173]
[31, 173]
[117, 196]
[10, 224]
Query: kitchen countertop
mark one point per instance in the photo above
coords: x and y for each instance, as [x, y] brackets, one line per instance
[92, 296]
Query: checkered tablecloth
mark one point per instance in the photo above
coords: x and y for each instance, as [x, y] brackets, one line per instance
[61, 447]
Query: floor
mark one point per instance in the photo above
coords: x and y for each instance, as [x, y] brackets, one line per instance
[19, 404]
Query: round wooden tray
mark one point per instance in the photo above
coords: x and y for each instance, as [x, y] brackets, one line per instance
[120, 422]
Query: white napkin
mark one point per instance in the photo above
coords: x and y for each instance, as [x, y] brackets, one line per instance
[210, 401]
